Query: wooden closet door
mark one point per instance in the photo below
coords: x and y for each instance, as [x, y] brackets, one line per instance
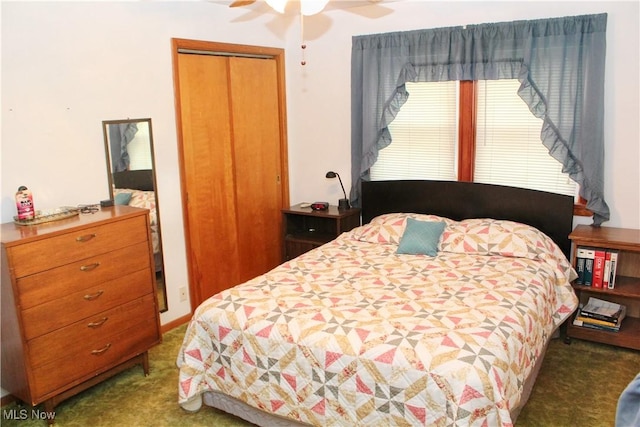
[233, 164]
[256, 142]
[208, 174]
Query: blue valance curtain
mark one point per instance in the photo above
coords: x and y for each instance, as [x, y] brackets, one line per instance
[559, 63]
[120, 135]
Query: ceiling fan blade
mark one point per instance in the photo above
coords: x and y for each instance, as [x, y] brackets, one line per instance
[293, 6]
[240, 3]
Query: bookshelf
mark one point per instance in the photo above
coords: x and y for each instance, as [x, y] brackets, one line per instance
[627, 284]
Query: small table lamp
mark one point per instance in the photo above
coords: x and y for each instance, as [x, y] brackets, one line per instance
[343, 204]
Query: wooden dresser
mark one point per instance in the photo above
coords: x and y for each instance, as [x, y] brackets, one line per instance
[78, 303]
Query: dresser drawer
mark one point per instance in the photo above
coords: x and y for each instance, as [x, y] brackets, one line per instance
[71, 308]
[79, 276]
[41, 255]
[89, 334]
[89, 361]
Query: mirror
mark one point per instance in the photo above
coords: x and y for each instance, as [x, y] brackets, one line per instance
[132, 180]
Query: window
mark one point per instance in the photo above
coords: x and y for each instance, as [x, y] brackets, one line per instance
[424, 134]
[139, 150]
[496, 142]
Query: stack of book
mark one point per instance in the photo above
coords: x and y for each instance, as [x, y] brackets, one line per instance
[596, 267]
[600, 314]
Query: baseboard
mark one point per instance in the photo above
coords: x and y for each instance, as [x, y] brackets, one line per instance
[174, 323]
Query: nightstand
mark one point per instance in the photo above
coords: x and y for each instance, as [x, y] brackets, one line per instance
[627, 283]
[306, 229]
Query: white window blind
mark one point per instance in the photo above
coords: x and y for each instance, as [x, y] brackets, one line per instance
[424, 133]
[508, 146]
[139, 149]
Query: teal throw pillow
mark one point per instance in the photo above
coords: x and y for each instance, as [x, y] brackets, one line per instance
[122, 198]
[421, 237]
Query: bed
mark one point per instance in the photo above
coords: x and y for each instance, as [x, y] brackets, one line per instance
[136, 188]
[436, 311]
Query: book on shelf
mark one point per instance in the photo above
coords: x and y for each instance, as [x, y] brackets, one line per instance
[596, 267]
[580, 264]
[607, 270]
[589, 257]
[587, 322]
[603, 310]
[613, 267]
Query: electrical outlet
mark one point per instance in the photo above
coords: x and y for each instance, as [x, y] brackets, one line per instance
[183, 293]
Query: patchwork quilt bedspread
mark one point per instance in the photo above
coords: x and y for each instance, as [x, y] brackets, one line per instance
[354, 334]
[147, 200]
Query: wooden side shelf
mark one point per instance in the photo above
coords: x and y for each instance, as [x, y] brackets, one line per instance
[627, 336]
[627, 285]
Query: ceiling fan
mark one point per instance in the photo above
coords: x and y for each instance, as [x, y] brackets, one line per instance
[307, 7]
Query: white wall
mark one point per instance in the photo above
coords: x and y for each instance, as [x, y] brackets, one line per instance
[66, 66]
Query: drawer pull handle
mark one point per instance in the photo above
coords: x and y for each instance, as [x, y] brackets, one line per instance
[85, 238]
[102, 350]
[94, 325]
[91, 297]
[90, 267]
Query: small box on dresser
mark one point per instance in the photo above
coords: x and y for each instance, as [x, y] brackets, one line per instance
[626, 289]
[78, 301]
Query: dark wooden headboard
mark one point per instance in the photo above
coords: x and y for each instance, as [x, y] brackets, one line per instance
[136, 180]
[550, 213]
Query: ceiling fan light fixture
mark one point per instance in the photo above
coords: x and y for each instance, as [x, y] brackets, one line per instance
[311, 7]
[277, 5]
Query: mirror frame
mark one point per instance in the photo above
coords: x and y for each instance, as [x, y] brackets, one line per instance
[162, 299]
